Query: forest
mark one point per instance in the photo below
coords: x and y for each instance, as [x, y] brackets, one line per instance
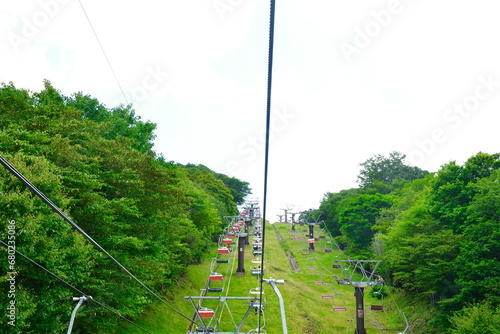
[437, 233]
[98, 166]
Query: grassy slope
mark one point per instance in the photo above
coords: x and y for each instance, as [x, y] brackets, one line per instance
[306, 311]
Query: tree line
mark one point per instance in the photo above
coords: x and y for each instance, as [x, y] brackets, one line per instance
[97, 164]
[438, 235]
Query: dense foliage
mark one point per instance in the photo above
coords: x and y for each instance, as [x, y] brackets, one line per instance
[97, 164]
[438, 235]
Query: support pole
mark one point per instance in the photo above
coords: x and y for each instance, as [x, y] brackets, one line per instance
[247, 230]
[360, 310]
[240, 272]
[311, 236]
[73, 314]
[273, 283]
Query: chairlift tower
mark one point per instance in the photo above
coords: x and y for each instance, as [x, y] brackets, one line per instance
[352, 269]
[311, 239]
[294, 222]
[252, 205]
[287, 209]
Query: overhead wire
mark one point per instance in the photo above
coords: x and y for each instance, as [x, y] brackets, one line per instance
[56, 209]
[104, 52]
[268, 122]
[73, 287]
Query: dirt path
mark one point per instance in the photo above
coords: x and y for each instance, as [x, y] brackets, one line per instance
[294, 265]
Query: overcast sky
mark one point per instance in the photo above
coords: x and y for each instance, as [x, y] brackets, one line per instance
[351, 79]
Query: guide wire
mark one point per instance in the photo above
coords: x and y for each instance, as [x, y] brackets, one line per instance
[54, 207]
[72, 287]
[266, 159]
[104, 53]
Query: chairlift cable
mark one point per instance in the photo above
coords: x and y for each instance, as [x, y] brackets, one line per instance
[73, 287]
[56, 209]
[268, 122]
[104, 53]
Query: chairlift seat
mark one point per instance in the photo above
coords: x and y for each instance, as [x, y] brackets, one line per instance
[216, 277]
[206, 313]
[215, 289]
[223, 250]
[209, 329]
[255, 291]
[256, 272]
[377, 307]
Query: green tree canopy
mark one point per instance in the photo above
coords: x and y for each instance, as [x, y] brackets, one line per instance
[358, 218]
[97, 164]
[383, 174]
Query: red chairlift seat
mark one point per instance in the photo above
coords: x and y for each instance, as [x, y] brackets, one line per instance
[311, 241]
[215, 277]
[223, 250]
[227, 241]
[206, 313]
[336, 266]
[328, 250]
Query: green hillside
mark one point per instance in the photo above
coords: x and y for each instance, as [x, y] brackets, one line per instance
[306, 310]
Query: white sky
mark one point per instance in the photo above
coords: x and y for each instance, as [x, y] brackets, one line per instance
[351, 79]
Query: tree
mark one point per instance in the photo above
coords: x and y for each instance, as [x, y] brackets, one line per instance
[97, 165]
[453, 189]
[331, 207]
[384, 174]
[239, 189]
[478, 264]
[481, 318]
[358, 217]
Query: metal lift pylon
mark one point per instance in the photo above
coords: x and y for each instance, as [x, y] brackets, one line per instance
[367, 279]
